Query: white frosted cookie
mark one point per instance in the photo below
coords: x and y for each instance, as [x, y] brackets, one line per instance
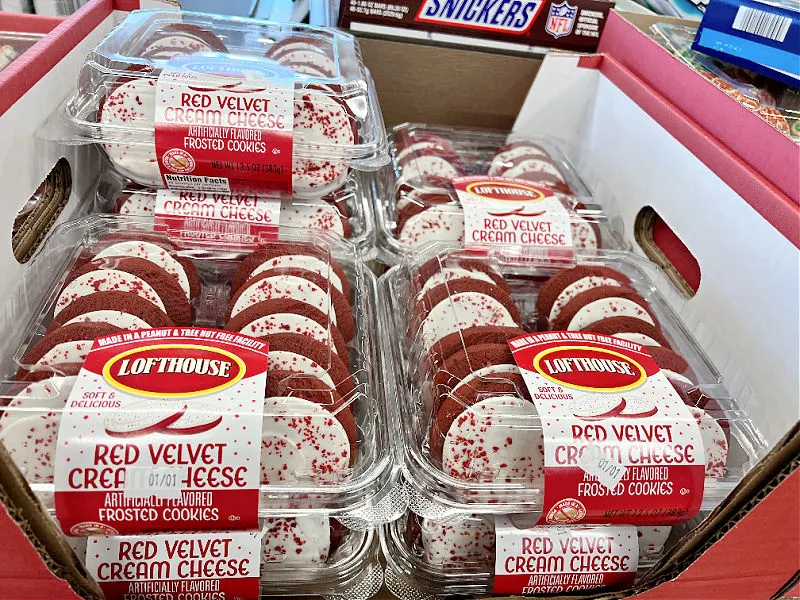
[301, 440]
[284, 286]
[581, 285]
[309, 214]
[117, 318]
[605, 308]
[489, 424]
[467, 542]
[29, 426]
[296, 541]
[438, 223]
[129, 109]
[462, 310]
[714, 442]
[153, 253]
[320, 121]
[106, 280]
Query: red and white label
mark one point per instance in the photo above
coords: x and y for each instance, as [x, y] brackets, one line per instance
[239, 220]
[620, 446]
[511, 212]
[162, 431]
[558, 560]
[187, 566]
[223, 123]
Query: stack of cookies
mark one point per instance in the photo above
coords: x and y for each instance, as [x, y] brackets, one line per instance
[464, 314]
[426, 207]
[122, 282]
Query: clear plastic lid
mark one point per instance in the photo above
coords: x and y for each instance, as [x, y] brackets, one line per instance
[308, 294]
[416, 203]
[427, 558]
[777, 103]
[337, 118]
[345, 212]
[461, 397]
[14, 43]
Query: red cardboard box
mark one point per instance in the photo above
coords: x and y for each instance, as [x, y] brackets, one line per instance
[772, 154]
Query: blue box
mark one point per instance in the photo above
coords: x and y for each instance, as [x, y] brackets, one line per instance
[761, 36]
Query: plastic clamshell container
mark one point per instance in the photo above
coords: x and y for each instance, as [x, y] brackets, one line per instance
[361, 495]
[141, 45]
[346, 212]
[436, 493]
[353, 571]
[14, 43]
[351, 567]
[415, 570]
[426, 157]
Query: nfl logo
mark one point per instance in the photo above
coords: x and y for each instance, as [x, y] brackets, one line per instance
[561, 19]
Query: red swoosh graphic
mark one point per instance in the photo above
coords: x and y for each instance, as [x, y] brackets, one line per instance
[518, 213]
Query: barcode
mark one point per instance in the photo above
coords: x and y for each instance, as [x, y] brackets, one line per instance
[197, 183]
[761, 23]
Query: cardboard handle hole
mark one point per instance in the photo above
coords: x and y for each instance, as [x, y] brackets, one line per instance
[37, 216]
[663, 247]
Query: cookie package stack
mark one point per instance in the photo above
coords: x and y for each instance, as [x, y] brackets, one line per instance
[207, 394]
[269, 107]
[557, 425]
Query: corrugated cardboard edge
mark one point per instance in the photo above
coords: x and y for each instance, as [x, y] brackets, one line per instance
[26, 511]
[54, 198]
[768, 475]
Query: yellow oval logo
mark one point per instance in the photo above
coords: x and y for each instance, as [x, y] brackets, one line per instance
[174, 370]
[590, 369]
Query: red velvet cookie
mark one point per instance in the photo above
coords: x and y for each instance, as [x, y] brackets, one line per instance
[421, 203]
[285, 255]
[291, 383]
[67, 344]
[436, 223]
[487, 432]
[601, 303]
[496, 306]
[321, 119]
[294, 352]
[125, 310]
[447, 268]
[156, 250]
[339, 200]
[54, 370]
[288, 316]
[469, 365]
[301, 437]
[179, 39]
[566, 284]
[169, 291]
[693, 396]
[471, 336]
[419, 195]
[297, 284]
[434, 144]
[668, 359]
[631, 329]
[299, 42]
[29, 377]
[466, 397]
